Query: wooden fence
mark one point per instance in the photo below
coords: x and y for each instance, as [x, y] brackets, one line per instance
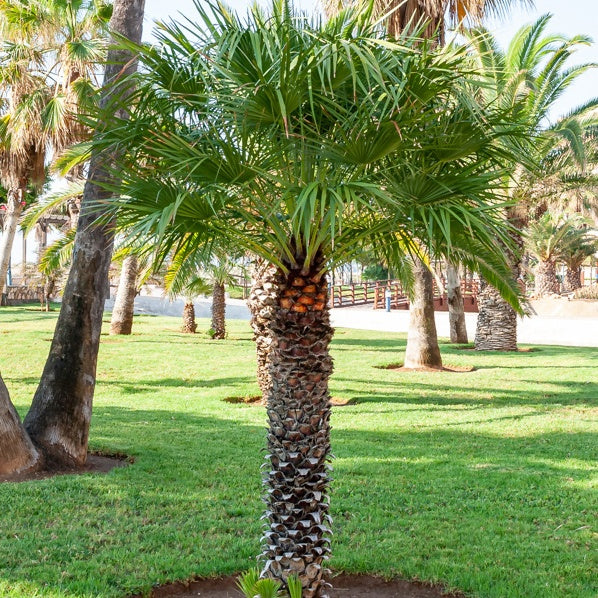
[374, 293]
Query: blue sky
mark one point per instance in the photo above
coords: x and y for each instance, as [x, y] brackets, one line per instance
[571, 17]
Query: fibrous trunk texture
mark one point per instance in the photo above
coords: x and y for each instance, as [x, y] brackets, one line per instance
[262, 302]
[12, 214]
[218, 311]
[60, 415]
[17, 453]
[546, 282]
[422, 349]
[297, 538]
[456, 310]
[496, 329]
[572, 278]
[189, 324]
[122, 314]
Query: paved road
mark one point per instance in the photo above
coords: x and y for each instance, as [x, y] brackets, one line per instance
[536, 330]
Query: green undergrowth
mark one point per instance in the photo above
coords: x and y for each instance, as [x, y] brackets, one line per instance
[480, 481]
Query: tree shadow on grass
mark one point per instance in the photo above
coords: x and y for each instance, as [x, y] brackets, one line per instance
[435, 505]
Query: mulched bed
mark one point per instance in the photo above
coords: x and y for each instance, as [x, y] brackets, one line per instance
[344, 586]
[96, 463]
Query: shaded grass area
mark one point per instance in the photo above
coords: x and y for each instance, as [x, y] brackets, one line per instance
[482, 481]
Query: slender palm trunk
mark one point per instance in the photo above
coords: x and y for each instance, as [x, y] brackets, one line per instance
[17, 453]
[218, 311]
[189, 324]
[546, 282]
[122, 314]
[297, 539]
[456, 310]
[12, 215]
[262, 302]
[573, 278]
[60, 414]
[422, 349]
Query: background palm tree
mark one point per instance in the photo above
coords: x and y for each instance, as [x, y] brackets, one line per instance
[48, 56]
[296, 144]
[60, 414]
[429, 19]
[531, 74]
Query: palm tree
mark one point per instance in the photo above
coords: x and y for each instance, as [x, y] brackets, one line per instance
[530, 75]
[47, 62]
[549, 240]
[579, 245]
[59, 418]
[297, 144]
[429, 19]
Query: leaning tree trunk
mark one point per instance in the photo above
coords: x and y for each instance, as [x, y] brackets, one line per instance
[12, 214]
[546, 282]
[297, 538]
[17, 453]
[456, 309]
[422, 349]
[262, 302]
[573, 278]
[122, 313]
[218, 311]
[189, 324]
[60, 414]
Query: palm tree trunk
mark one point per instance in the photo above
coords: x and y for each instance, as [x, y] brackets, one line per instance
[189, 324]
[297, 539]
[262, 302]
[546, 282]
[422, 349]
[456, 310]
[17, 453]
[60, 414]
[122, 314]
[218, 311]
[497, 322]
[12, 214]
[572, 278]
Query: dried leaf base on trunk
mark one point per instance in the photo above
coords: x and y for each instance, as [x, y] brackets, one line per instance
[573, 279]
[189, 324]
[546, 282]
[297, 538]
[262, 301]
[497, 323]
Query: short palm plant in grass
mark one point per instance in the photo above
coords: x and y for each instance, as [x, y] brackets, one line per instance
[302, 143]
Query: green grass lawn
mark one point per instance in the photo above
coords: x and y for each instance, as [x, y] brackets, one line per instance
[481, 481]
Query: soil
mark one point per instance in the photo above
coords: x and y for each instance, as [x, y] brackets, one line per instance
[344, 586]
[398, 367]
[96, 463]
[257, 400]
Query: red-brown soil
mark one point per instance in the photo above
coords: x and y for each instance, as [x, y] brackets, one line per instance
[398, 367]
[344, 586]
[257, 400]
[96, 463]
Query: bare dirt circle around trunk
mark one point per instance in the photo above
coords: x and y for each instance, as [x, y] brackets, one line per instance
[344, 586]
[96, 463]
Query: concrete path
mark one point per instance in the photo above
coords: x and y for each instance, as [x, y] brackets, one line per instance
[535, 330]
